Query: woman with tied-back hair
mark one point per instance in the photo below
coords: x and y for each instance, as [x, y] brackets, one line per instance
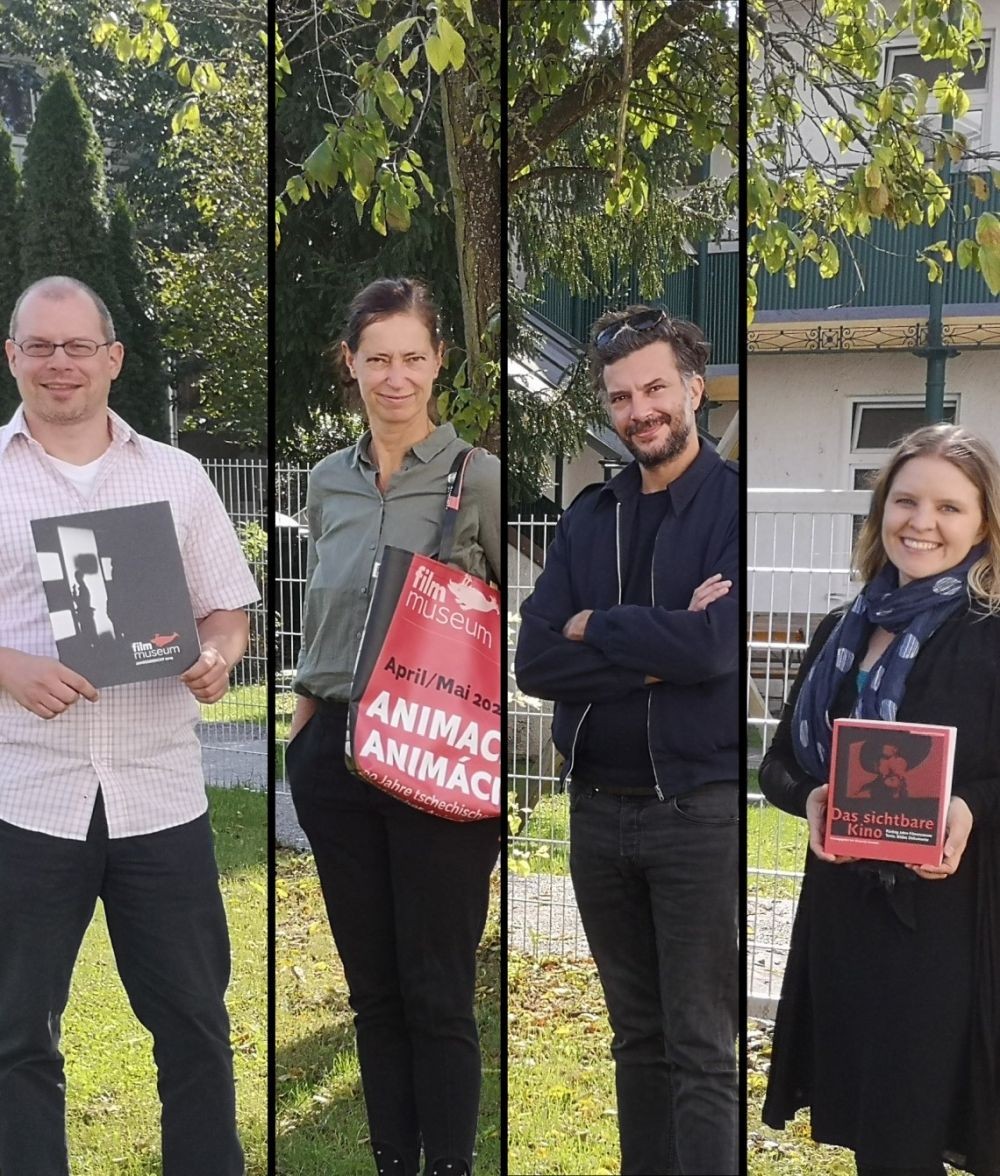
[889, 1022]
[406, 891]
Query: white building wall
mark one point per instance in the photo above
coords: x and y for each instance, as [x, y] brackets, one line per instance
[799, 413]
[799, 408]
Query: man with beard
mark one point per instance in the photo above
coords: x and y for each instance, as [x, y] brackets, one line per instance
[633, 630]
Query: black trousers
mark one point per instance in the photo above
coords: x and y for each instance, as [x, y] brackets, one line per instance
[407, 896]
[657, 883]
[168, 931]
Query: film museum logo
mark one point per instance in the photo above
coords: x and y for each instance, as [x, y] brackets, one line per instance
[455, 604]
[160, 647]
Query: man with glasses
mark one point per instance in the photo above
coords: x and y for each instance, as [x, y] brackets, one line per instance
[634, 631]
[101, 793]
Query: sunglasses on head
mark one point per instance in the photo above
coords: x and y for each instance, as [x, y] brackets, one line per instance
[642, 320]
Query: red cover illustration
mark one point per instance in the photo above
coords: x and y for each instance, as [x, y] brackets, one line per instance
[890, 784]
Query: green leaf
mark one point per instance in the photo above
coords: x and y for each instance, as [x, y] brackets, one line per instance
[394, 37]
[184, 75]
[363, 167]
[378, 214]
[829, 260]
[453, 40]
[437, 53]
[173, 37]
[321, 166]
[988, 232]
[297, 189]
[989, 267]
[979, 188]
[397, 214]
[123, 46]
[968, 251]
[406, 67]
[192, 115]
[466, 7]
[392, 107]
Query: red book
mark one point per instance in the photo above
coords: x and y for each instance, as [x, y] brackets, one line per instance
[890, 784]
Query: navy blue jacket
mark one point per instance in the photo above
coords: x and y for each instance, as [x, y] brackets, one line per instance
[693, 711]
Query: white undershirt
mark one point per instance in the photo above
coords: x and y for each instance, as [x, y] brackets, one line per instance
[83, 477]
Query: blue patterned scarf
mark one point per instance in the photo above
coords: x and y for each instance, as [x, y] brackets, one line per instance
[912, 612]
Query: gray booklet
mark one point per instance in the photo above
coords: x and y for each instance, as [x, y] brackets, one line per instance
[116, 593]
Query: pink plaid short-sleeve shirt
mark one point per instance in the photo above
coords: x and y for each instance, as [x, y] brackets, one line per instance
[138, 741]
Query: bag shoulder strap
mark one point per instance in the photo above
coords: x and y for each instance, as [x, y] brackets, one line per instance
[455, 483]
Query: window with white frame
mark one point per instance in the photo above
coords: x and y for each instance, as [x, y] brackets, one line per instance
[903, 60]
[18, 95]
[876, 427]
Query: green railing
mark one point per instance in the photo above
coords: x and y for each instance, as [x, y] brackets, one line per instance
[882, 271]
[721, 297]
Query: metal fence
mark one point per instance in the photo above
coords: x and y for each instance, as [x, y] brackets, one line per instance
[289, 589]
[798, 568]
[542, 913]
[233, 732]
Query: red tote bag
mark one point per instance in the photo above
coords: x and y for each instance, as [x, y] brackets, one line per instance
[424, 715]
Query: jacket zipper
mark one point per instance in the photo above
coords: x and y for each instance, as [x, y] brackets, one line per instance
[649, 696]
[568, 779]
[572, 751]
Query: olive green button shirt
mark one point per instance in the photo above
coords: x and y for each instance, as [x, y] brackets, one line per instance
[351, 521]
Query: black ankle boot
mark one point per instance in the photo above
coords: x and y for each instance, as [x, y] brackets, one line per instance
[389, 1161]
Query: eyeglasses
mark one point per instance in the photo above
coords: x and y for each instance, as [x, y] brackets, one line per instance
[642, 320]
[74, 348]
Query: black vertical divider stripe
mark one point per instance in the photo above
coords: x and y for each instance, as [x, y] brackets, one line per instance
[272, 596]
[504, 582]
[743, 408]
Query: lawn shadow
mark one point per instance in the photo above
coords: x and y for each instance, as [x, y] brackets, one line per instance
[319, 1107]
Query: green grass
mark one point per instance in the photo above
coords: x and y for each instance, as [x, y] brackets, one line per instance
[775, 841]
[284, 704]
[561, 1099]
[241, 704]
[321, 1127]
[113, 1109]
[547, 822]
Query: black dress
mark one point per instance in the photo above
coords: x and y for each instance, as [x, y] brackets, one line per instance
[889, 1022]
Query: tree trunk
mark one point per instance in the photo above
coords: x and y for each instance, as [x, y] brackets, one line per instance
[474, 173]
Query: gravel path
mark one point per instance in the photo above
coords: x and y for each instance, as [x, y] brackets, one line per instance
[286, 828]
[542, 917]
[769, 932]
[543, 920]
[234, 754]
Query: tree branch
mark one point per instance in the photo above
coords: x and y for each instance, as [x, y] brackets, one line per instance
[599, 85]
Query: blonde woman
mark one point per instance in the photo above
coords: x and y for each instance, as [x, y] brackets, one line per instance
[889, 1021]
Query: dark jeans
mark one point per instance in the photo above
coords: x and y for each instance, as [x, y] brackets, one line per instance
[168, 931]
[657, 885]
[407, 895]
